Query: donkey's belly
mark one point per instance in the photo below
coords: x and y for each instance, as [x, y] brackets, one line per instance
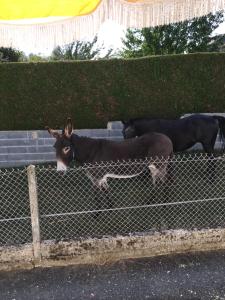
[118, 169]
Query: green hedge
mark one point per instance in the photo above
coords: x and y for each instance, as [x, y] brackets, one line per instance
[33, 95]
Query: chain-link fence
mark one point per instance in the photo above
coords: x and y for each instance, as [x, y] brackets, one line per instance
[15, 221]
[91, 201]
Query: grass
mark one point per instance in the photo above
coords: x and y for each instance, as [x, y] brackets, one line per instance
[75, 193]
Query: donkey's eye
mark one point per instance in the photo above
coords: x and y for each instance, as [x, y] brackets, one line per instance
[66, 150]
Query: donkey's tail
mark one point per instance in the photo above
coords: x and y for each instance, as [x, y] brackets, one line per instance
[221, 121]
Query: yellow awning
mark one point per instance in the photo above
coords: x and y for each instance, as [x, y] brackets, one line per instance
[26, 9]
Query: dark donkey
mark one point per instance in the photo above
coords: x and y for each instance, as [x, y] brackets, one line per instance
[184, 132]
[70, 146]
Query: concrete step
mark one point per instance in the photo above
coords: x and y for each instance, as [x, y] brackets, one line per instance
[40, 134]
[21, 163]
[26, 142]
[31, 134]
[115, 125]
[18, 148]
[26, 149]
[26, 156]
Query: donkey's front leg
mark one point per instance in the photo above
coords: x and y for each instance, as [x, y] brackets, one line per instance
[154, 172]
[104, 187]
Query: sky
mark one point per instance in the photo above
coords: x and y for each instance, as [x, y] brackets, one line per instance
[220, 29]
[110, 34]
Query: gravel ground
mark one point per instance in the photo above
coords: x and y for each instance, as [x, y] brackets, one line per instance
[184, 276]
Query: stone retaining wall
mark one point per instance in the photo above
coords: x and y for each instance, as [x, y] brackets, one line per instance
[110, 249]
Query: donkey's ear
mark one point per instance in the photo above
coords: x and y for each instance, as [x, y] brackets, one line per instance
[54, 133]
[68, 130]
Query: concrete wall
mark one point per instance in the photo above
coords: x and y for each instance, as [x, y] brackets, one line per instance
[20, 148]
[110, 249]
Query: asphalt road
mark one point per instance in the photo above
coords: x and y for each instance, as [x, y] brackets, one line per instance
[189, 276]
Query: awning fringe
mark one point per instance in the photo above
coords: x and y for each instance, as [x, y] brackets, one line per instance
[140, 14]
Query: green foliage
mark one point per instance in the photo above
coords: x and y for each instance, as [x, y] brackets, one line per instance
[79, 50]
[185, 37]
[221, 37]
[8, 54]
[36, 58]
[33, 95]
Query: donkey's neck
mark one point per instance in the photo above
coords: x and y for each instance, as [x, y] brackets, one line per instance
[84, 148]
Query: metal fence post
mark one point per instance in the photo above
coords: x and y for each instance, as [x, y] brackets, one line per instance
[33, 195]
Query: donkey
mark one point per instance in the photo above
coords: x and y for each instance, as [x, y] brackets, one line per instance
[69, 146]
[184, 132]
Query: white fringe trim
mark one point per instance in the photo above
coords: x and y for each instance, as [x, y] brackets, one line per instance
[143, 14]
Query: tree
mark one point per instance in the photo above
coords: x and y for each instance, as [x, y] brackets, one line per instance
[36, 58]
[185, 37]
[79, 50]
[8, 54]
[221, 37]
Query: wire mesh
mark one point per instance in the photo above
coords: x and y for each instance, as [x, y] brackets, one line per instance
[89, 201]
[85, 202]
[15, 222]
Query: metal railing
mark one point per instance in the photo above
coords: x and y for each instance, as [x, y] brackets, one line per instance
[39, 203]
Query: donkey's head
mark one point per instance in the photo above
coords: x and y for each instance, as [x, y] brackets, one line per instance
[63, 145]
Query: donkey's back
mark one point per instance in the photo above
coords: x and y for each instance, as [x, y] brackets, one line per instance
[148, 145]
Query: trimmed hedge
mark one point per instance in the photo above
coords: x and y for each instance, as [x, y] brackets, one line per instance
[33, 95]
